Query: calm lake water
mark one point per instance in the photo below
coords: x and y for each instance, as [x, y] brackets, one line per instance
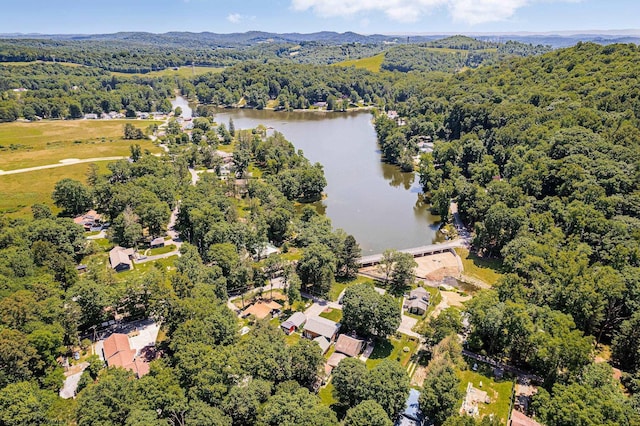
[183, 103]
[373, 201]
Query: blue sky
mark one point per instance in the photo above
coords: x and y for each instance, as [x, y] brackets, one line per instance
[363, 16]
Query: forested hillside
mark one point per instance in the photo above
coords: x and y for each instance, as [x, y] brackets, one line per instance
[454, 54]
[47, 90]
[142, 53]
[541, 155]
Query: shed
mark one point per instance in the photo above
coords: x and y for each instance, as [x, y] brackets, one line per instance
[157, 242]
[335, 359]
[318, 326]
[349, 346]
[120, 258]
[294, 322]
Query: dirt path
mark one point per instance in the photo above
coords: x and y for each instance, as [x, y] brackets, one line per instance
[62, 163]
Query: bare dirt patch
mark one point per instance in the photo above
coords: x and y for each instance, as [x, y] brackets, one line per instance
[437, 266]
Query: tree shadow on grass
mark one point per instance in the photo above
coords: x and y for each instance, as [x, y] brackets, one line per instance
[382, 349]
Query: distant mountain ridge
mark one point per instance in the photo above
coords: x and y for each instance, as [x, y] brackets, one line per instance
[557, 39]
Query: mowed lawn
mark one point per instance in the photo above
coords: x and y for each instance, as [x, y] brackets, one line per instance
[25, 145]
[372, 63]
[18, 192]
[393, 349]
[487, 270]
[498, 391]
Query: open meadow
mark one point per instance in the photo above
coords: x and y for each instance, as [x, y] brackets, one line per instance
[33, 144]
[184, 72]
[19, 191]
[372, 63]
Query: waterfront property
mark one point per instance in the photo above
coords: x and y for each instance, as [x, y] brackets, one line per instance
[418, 301]
[421, 251]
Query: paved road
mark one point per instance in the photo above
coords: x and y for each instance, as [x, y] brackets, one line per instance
[70, 385]
[62, 163]
[145, 259]
[194, 176]
[99, 235]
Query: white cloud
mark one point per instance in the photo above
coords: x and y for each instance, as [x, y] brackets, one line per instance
[234, 18]
[479, 11]
[469, 11]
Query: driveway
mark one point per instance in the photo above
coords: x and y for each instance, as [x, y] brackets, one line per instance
[147, 334]
[70, 385]
[406, 326]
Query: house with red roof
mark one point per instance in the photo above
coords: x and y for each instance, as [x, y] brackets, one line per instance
[118, 353]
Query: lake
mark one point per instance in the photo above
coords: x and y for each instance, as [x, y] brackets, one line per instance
[183, 103]
[375, 202]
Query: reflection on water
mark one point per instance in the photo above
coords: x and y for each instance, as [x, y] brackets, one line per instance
[183, 103]
[376, 202]
[397, 177]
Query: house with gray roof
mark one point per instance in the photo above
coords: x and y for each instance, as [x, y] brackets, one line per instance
[120, 258]
[418, 301]
[318, 326]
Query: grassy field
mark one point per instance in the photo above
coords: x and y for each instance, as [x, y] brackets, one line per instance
[486, 270]
[372, 63]
[326, 395]
[20, 64]
[292, 339]
[140, 269]
[393, 349]
[184, 72]
[333, 315]
[25, 145]
[18, 192]
[339, 286]
[498, 392]
[160, 250]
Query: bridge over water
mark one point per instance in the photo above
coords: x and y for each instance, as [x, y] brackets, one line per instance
[375, 259]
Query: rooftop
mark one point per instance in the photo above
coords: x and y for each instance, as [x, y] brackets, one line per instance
[335, 359]
[120, 255]
[295, 320]
[323, 342]
[322, 326]
[118, 353]
[349, 345]
[519, 419]
[261, 309]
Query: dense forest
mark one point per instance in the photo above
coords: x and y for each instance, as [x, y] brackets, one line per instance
[540, 154]
[47, 90]
[143, 54]
[454, 54]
